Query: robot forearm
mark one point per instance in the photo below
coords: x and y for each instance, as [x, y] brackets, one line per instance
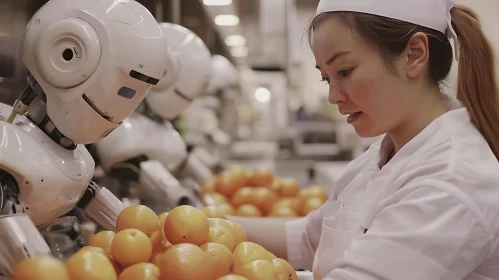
[19, 239]
[158, 182]
[101, 206]
[197, 168]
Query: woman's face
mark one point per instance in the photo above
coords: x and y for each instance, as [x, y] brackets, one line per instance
[360, 81]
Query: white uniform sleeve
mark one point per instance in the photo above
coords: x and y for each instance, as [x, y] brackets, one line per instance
[428, 234]
[302, 238]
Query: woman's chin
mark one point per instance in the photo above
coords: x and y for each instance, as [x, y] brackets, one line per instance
[362, 132]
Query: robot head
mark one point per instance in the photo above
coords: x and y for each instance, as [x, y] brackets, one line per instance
[95, 60]
[188, 77]
[225, 74]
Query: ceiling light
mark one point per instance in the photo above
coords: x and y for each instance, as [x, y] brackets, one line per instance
[227, 20]
[235, 41]
[217, 2]
[262, 95]
[239, 51]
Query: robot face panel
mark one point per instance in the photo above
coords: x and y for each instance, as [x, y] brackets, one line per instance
[225, 75]
[95, 60]
[188, 75]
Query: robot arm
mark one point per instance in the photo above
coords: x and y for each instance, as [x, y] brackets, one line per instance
[157, 182]
[101, 206]
[19, 239]
[197, 168]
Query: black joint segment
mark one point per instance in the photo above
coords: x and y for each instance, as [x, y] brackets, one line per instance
[89, 194]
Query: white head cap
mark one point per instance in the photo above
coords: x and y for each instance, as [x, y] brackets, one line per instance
[433, 14]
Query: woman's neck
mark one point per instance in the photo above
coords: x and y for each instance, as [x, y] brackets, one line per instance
[425, 110]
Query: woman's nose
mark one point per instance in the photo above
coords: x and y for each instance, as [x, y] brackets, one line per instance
[335, 95]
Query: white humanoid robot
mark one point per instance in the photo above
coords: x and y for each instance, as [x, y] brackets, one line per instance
[146, 152]
[201, 122]
[83, 82]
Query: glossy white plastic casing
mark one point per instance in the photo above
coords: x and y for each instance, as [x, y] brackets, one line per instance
[139, 136]
[188, 76]
[20, 239]
[95, 60]
[224, 74]
[51, 179]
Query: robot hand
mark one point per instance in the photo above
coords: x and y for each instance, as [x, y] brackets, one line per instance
[160, 184]
[63, 237]
[19, 239]
[101, 206]
[197, 166]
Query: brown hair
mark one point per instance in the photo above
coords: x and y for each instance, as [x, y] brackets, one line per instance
[477, 88]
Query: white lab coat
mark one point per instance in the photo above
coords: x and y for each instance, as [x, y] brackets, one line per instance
[430, 213]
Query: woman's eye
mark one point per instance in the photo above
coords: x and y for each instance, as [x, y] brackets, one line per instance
[345, 73]
[327, 80]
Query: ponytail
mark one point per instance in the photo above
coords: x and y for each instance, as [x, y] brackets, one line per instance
[477, 87]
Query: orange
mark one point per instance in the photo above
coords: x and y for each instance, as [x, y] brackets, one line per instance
[186, 262]
[215, 198]
[138, 217]
[259, 269]
[283, 212]
[238, 233]
[249, 176]
[289, 187]
[157, 253]
[117, 267]
[227, 209]
[260, 178]
[276, 184]
[208, 186]
[233, 277]
[221, 235]
[318, 191]
[131, 246]
[292, 203]
[157, 237]
[103, 240]
[40, 268]
[214, 212]
[94, 249]
[248, 210]
[313, 191]
[241, 196]
[310, 205]
[228, 182]
[239, 171]
[90, 265]
[284, 270]
[162, 218]
[222, 257]
[264, 199]
[140, 271]
[247, 252]
[187, 224]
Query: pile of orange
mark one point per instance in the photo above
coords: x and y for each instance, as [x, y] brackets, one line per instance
[183, 244]
[258, 193]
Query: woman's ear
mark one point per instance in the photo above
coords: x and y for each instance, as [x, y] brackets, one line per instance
[417, 54]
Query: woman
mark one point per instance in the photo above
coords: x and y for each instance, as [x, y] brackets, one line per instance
[424, 202]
